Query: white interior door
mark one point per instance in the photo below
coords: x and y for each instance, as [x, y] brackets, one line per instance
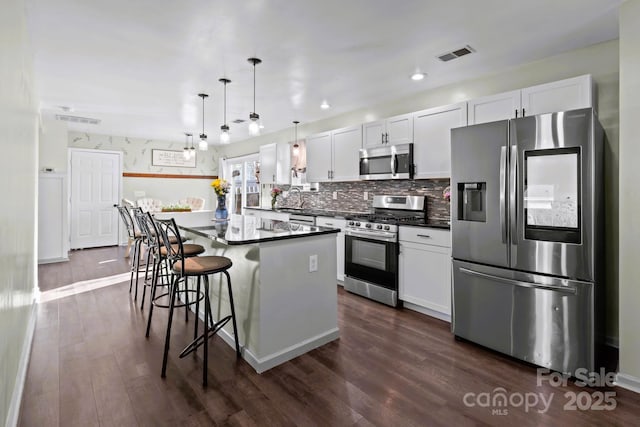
[95, 189]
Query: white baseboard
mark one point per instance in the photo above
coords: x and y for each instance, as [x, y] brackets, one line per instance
[628, 382]
[21, 376]
[52, 260]
[427, 311]
[275, 359]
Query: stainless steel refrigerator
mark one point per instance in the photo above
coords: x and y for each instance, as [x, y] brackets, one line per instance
[527, 226]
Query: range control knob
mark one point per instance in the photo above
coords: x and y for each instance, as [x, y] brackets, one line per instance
[386, 227]
[350, 222]
[368, 225]
[379, 227]
[357, 224]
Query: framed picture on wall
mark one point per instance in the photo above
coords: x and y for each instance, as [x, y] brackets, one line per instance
[172, 158]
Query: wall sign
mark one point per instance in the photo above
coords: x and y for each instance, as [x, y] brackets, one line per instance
[171, 158]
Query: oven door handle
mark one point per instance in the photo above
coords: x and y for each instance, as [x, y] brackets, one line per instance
[385, 237]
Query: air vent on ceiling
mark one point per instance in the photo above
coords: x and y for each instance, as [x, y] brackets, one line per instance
[448, 56]
[238, 121]
[77, 119]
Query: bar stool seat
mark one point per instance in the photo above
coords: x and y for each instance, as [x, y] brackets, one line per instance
[202, 265]
[190, 249]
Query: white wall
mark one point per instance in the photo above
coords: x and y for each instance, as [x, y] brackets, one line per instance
[53, 145]
[600, 60]
[629, 195]
[137, 158]
[18, 173]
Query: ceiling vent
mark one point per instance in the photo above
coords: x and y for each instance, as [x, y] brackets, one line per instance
[238, 121]
[456, 53]
[77, 119]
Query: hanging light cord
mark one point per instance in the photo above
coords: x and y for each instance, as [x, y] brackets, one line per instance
[254, 87]
[203, 115]
[225, 102]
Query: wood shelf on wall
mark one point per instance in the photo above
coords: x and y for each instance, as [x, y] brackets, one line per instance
[165, 175]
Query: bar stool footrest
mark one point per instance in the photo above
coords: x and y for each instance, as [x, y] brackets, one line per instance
[200, 340]
[200, 297]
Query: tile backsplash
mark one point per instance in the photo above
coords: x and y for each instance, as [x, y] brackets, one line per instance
[350, 195]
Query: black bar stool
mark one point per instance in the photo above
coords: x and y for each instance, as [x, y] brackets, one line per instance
[157, 258]
[135, 241]
[200, 267]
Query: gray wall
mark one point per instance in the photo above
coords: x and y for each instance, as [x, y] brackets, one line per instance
[18, 181]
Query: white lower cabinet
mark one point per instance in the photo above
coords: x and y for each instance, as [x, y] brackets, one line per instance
[425, 270]
[341, 224]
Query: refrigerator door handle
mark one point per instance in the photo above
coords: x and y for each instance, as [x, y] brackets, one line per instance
[564, 289]
[503, 190]
[513, 193]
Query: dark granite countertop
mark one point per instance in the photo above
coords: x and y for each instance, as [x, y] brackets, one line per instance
[312, 212]
[443, 225]
[244, 229]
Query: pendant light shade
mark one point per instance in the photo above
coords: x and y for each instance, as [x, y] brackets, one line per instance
[203, 145]
[296, 147]
[188, 152]
[254, 126]
[224, 129]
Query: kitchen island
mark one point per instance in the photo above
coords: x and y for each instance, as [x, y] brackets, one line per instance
[284, 285]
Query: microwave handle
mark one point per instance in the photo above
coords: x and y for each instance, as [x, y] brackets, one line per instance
[394, 164]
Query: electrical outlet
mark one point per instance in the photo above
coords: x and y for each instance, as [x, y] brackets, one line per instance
[335, 195]
[365, 196]
[313, 263]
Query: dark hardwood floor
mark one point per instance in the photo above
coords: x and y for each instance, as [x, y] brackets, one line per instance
[91, 365]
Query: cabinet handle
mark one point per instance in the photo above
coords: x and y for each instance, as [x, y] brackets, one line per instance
[516, 113]
[426, 236]
[382, 138]
[523, 112]
[328, 174]
[328, 223]
[386, 137]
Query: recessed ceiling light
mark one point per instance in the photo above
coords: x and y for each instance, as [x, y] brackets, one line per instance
[417, 76]
[325, 105]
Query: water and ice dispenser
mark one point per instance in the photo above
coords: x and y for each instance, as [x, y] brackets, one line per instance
[472, 201]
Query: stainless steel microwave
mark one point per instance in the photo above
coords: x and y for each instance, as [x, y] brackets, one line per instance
[390, 162]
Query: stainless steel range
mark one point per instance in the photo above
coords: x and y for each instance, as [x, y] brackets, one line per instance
[371, 246]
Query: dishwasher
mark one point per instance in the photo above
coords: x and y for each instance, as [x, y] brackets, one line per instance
[302, 219]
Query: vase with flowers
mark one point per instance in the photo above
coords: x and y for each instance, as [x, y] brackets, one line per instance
[446, 194]
[221, 188]
[275, 192]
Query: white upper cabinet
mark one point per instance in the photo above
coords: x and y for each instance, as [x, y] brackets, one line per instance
[568, 94]
[346, 153]
[319, 157]
[432, 139]
[275, 162]
[391, 131]
[494, 107]
[334, 155]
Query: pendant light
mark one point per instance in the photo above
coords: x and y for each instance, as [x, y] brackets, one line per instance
[296, 147]
[202, 145]
[224, 135]
[186, 153]
[192, 149]
[254, 126]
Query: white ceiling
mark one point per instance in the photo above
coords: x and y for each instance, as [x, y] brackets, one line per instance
[138, 65]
